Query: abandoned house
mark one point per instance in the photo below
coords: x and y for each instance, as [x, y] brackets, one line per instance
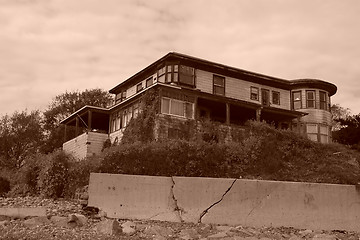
[190, 88]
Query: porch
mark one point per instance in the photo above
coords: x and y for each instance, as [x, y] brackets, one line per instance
[86, 130]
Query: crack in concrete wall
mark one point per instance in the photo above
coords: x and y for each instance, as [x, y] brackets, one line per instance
[177, 209]
[215, 203]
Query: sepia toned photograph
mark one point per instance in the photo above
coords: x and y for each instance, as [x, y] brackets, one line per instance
[176, 119]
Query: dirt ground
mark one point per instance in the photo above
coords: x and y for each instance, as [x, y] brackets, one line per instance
[46, 228]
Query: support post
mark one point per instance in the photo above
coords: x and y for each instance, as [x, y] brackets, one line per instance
[77, 127]
[196, 114]
[298, 125]
[65, 133]
[228, 113]
[89, 121]
[258, 114]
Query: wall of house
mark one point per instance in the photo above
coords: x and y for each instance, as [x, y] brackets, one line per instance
[240, 89]
[116, 136]
[95, 143]
[85, 145]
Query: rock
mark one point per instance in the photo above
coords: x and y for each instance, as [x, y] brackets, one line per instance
[158, 231]
[78, 219]
[4, 222]
[188, 234]
[128, 227]
[324, 237]
[109, 227]
[83, 203]
[224, 228]
[36, 221]
[23, 213]
[218, 235]
[84, 196]
[59, 221]
[295, 238]
[305, 232]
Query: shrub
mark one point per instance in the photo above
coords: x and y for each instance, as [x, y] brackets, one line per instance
[261, 152]
[4, 186]
[79, 174]
[53, 176]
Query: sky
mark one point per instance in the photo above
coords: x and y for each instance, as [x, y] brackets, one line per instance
[48, 47]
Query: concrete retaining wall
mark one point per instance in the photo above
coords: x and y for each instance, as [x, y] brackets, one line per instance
[227, 201]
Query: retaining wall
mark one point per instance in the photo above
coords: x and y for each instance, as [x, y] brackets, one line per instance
[227, 201]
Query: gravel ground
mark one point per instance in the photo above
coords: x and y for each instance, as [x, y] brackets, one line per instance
[17, 228]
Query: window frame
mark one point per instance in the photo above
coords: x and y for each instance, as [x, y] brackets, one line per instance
[138, 89]
[257, 93]
[192, 75]
[293, 99]
[310, 100]
[323, 101]
[215, 86]
[272, 97]
[185, 105]
[150, 79]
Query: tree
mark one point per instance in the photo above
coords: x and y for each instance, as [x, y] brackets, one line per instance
[21, 135]
[349, 133]
[64, 105]
[339, 113]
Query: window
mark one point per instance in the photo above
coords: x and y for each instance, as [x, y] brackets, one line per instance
[186, 75]
[149, 82]
[177, 107]
[296, 100]
[219, 85]
[139, 87]
[323, 103]
[276, 97]
[161, 74]
[310, 99]
[254, 93]
[312, 131]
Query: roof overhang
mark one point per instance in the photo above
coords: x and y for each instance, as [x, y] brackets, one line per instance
[82, 111]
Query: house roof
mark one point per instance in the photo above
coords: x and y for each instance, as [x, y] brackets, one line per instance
[227, 70]
[83, 110]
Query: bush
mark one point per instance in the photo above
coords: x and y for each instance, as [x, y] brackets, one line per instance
[54, 174]
[266, 153]
[4, 186]
[79, 174]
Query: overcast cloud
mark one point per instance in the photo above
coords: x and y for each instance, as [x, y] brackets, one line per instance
[48, 47]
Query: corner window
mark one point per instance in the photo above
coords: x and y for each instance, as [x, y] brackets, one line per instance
[323, 103]
[254, 93]
[310, 99]
[177, 107]
[219, 85]
[139, 87]
[161, 75]
[187, 75]
[276, 97]
[149, 82]
[296, 97]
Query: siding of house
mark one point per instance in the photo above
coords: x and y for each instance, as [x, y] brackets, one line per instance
[85, 145]
[240, 89]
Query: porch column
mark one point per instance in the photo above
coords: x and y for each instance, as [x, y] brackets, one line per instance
[298, 125]
[77, 127]
[65, 133]
[227, 113]
[258, 114]
[196, 114]
[89, 121]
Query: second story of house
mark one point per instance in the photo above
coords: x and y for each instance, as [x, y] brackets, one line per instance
[186, 72]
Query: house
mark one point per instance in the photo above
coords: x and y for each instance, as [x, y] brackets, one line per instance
[191, 88]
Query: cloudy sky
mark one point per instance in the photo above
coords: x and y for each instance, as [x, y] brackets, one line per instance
[48, 47]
